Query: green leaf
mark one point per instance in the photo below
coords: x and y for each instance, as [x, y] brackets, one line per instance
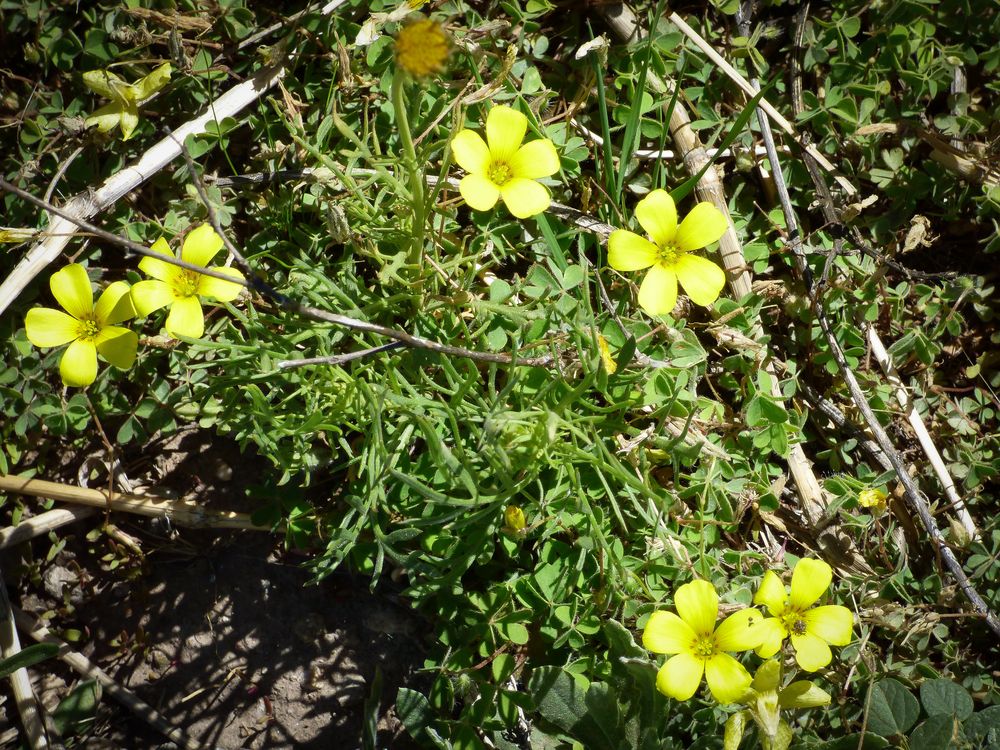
[590, 716]
[937, 733]
[27, 657]
[735, 726]
[944, 697]
[77, 708]
[984, 727]
[414, 711]
[856, 742]
[621, 640]
[892, 708]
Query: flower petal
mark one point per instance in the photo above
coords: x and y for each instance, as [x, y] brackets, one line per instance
[772, 594]
[536, 159]
[151, 295]
[658, 292]
[628, 251]
[152, 83]
[129, 119]
[809, 580]
[471, 152]
[186, 318]
[666, 633]
[701, 278]
[767, 677]
[106, 118]
[71, 288]
[159, 269]
[833, 623]
[524, 197]
[479, 191]
[680, 676]
[727, 678]
[741, 631]
[505, 128]
[47, 327]
[115, 304]
[224, 291]
[698, 605]
[104, 82]
[117, 345]
[803, 694]
[78, 366]
[201, 245]
[773, 634]
[657, 214]
[703, 226]
[811, 651]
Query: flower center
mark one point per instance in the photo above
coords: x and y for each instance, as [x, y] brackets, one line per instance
[794, 623]
[186, 284]
[704, 646]
[499, 173]
[88, 328]
[669, 254]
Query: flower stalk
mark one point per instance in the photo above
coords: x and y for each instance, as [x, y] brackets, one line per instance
[410, 163]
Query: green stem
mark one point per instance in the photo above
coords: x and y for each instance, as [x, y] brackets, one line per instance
[412, 167]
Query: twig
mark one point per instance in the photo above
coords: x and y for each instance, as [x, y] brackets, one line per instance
[923, 436]
[913, 495]
[179, 512]
[24, 695]
[41, 524]
[83, 206]
[83, 666]
[60, 171]
[338, 359]
[306, 311]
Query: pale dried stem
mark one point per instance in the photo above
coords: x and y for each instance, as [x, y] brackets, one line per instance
[923, 436]
[178, 512]
[20, 683]
[43, 523]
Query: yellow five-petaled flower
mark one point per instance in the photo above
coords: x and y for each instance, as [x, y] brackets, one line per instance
[793, 615]
[669, 256]
[500, 167]
[181, 289]
[88, 328]
[698, 647]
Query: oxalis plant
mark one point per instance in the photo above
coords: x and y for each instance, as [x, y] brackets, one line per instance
[500, 359]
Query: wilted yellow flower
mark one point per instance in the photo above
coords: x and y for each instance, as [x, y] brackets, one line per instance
[125, 98]
[873, 498]
[422, 48]
[514, 519]
[609, 362]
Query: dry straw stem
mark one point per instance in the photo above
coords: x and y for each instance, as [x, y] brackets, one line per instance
[88, 204]
[179, 512]
[625, 26]
[24, 696]
[923, 436]
[43, 523]
[86, 668]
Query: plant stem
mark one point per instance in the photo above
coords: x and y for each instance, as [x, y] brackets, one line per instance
[412, 167]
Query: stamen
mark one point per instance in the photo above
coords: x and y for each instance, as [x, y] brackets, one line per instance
[499, 173]
[186, 284]
[669, 254]
[88, 329]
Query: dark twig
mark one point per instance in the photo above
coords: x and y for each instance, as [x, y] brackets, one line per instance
[338, 359]
[287, 303]
[913, 495]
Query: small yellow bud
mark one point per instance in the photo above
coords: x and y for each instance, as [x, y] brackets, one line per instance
[513, 518]
[609, 362]
[873, 498]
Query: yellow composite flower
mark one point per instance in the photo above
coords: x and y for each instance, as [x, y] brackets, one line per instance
[500, 167]
[422, 48]
[125, 98]
[181, 289]
[698, 647]
[88, 328]
[669, 255]
[793, 615]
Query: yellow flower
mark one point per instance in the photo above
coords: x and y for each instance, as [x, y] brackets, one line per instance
[504, 168]
[668, 257]
[873, 498]
[698, 647]
[180, 288]
[125, 98]
[88, 329]
[422, 48]
[609, 362]
[514, 519]
[809, 629]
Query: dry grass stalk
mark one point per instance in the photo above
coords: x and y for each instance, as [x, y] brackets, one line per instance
[24, 695]
[179, 512]
[43, 523]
